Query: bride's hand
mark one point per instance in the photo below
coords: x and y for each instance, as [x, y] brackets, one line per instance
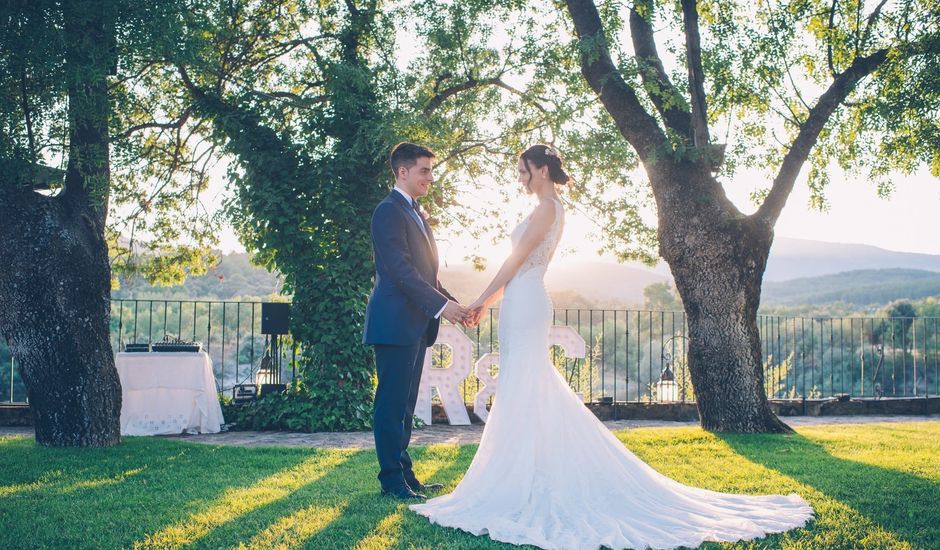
[474, 316]
[475, 312]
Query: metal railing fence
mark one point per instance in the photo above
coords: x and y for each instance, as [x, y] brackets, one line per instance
[627, 350]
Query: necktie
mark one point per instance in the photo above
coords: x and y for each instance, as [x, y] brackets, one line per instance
[418, 217]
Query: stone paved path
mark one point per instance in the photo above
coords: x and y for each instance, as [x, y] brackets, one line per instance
[459, 435]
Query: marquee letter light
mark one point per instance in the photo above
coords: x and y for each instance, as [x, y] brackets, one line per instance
[447, 381]
[563, 336]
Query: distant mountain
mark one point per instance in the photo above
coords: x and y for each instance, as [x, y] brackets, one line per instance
[798, 271]
[860, 288]
[795, 258]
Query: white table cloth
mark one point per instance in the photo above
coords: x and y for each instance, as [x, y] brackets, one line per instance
[168, 393]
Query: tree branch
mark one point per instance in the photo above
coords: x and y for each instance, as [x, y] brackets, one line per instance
[27, 115]
[661, 91]
[353, 10]
[809, 131]
[175, 125]
[637, 126]
[858, 24]
[470, 84]
[696, 75]
[832, 17]
[295, 99]
[88, 172]
[277, 50]
[246, 136]
[870, 23]
[467, 145]
[118, 82]
[197, 92]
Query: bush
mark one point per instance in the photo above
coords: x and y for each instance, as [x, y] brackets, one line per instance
[292, 410]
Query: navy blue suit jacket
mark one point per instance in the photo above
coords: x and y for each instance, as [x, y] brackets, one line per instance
[407, 294]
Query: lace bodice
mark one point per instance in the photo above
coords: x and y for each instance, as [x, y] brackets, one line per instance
[542, 254]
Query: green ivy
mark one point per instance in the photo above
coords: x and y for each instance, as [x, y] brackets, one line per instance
[303, 205]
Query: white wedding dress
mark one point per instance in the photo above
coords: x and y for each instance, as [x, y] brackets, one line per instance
[550, 474]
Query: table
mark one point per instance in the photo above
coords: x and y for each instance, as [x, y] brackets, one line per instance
[168, 393]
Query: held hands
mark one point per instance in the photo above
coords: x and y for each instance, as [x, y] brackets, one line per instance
[467, 316]
[455, 313]
[474, 313]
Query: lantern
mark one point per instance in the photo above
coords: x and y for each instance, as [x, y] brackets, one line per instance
[667, 390]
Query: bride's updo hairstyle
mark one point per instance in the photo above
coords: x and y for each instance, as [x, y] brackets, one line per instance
[545, 155]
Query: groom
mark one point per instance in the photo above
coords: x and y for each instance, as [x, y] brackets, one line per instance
[403, 314]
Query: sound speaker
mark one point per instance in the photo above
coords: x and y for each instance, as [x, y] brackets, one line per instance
[245, 392]
[271, 389]
[275, 317]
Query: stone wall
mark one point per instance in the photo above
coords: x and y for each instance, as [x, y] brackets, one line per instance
[15, 415]
[19, 414]
[850, 407]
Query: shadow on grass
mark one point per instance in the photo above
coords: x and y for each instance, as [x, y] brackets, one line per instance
[111, 497]
[156, 493]
[341, 509]
[899, 502]
[367, 510]
[290, 521]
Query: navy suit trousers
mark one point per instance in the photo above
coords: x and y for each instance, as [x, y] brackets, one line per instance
[399, 373]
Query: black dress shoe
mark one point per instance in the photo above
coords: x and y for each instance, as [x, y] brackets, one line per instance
[419, 487]
[402, 492]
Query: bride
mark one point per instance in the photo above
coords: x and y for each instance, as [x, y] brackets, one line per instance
[547, 472]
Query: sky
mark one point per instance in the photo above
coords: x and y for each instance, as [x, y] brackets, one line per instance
[908, 221]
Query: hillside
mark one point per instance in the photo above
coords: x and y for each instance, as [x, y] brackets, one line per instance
[233, 277]
[798, 258]
[859, 287]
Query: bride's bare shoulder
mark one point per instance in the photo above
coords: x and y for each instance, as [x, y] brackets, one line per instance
[544, 213]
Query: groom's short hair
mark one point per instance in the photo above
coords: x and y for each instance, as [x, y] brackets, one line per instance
[407, 154]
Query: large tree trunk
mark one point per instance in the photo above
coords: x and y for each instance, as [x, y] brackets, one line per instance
[55, 282]
[717, 257]
[54, 313]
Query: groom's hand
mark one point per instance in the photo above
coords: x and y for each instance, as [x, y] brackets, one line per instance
[454, 312]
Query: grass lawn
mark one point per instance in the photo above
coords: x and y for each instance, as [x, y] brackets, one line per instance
[873, 486]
